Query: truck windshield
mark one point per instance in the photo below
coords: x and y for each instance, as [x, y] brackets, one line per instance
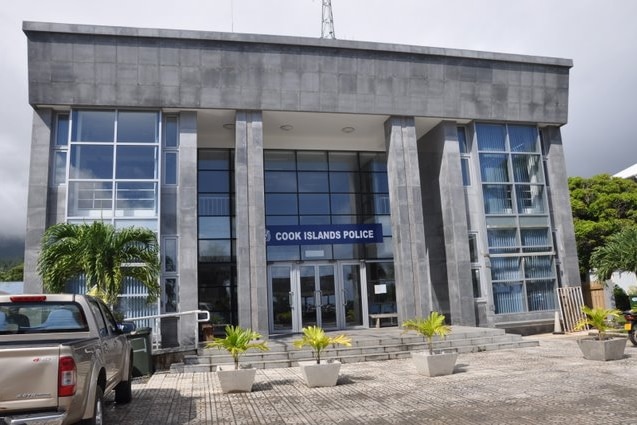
[41, 317]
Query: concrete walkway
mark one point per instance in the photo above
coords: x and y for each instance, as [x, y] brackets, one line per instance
[548, 384]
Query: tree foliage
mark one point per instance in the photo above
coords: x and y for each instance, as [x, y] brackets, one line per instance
[619, 253]
[103, 254]
[602, 205]
[13, 273]
[237, 341]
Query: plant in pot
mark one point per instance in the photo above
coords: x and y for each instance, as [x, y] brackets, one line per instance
[320, 373]
[236, 342]
[602, 347]
[428, 362]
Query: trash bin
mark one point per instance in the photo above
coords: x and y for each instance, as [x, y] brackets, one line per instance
[140, 341]
[633, 302]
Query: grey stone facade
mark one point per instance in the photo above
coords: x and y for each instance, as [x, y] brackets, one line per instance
[420, 94]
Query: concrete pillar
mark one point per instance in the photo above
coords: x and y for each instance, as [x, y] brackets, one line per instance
[37, 196]
[252, 287]
[446, 227]
[413, 289]
[561, 213]
[187, 225]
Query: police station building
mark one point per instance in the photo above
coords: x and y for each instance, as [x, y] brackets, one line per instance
[298, 181]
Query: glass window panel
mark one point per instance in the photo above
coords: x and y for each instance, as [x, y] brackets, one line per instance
[171, 132]
[214, 204]
[343, 161]
[344, 182]
[314, 219]
[466, 177]
[497, 199]
[534, 221]
[535, 237]
[523, 138]
[373, 161]
[502, 240]
[538, 267]
[508, 297]
[281, 204]
[93, 126]
[170, 254]
[137, 127]
[136, 162]
[348, 251]
[281, 220]
[473, 247]
[491, 137]
[505, 268]
[344, 203]
[385, 220]
[530, 199]
[315, 161]
[280, 181]
[213, 159]
[214, 227]
[91, 162]
[500, 222]
[62, 130]
[540, 295]
[314, 204]
[313, 182]
[462, 140]
[211, 251]
[59, 173]
[375, 204]
[374, 182]
[283, 253]
[279, 160]
[316, 252]
[170, 168]
[493, 167]
[90, 199]
[380, 250]
[171, 291]
[475, 280]
[214, 181]
[136, 199]
[527, 169]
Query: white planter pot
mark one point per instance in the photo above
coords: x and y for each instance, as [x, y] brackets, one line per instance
[434, 365]
[608, 349]
[235, 381]
[320, 375]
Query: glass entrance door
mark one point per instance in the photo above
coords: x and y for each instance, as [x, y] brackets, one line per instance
[326, 295]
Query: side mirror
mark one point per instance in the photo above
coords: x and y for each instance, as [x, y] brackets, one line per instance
[127, 327]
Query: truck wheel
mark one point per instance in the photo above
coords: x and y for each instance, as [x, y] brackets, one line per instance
[98, 409]
[632, 335]
[123, 391]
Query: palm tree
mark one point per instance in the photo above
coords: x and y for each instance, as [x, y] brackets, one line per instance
[618, 254]
[237, 341]
[103, 254]
[316, 338]
[428, 327]
[598, 318]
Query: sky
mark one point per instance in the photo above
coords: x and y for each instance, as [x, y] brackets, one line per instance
[600, 36]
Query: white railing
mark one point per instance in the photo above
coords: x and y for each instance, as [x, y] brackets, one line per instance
[200, 316]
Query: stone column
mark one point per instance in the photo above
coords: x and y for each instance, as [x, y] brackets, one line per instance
[413, 289]
[446, 226]
[187, 225]
[250, 222]
[561, 213]
[37, 196]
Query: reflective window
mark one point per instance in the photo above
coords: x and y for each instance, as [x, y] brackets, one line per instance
[59, 173]
[279, 160]
[171, 132]
[213, 159]
[90, 198]
[211, 251]
[93, 126]
[314, 203]
[523, 138]
[137, 127]
[62, 130]
[280, 181]
[170, 254]
[214, 227]
[344, 182]
[170, 168]
[91, 162]
[527, 168]
[278, 204]
[308, 160]
[342, 203]
[493, 167]
[343, 161]
[214, 181]
[491, 137]
[136, 162]
[313, 182]
[136, 199]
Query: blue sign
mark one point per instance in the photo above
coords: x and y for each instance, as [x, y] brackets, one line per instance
[322, 234]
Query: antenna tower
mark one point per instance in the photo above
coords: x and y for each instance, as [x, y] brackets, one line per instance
[327, 27]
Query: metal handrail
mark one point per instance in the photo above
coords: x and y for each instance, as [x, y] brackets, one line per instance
[158, 317]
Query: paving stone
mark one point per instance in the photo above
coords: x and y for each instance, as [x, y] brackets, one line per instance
[547, 384]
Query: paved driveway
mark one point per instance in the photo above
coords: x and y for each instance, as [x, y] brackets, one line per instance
[549, 384]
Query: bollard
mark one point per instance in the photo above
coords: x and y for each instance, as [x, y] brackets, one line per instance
[557, 327]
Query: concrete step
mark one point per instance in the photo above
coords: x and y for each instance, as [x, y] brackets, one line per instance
[367, 345]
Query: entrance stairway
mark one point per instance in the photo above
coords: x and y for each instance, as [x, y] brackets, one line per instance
[367, 345]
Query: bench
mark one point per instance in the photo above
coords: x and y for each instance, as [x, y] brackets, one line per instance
[379, 316]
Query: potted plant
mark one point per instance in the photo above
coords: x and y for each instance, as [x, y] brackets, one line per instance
[320, 373]
[236, 342]
[603, 347]
[428, 362]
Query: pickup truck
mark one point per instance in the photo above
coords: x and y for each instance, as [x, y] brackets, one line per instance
[59, 355]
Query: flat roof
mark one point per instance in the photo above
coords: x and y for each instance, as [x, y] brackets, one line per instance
[50, 27]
